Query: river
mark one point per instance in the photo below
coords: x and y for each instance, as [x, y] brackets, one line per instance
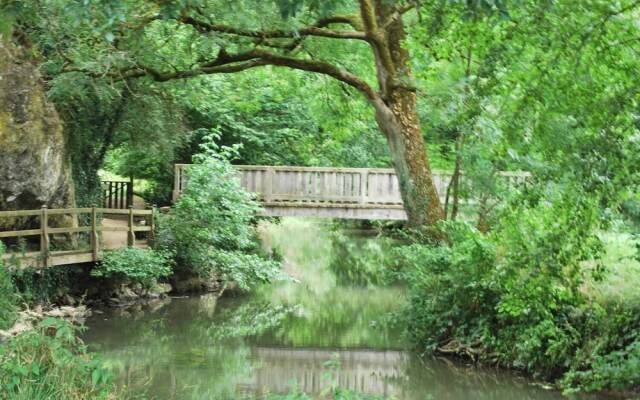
[307, 333]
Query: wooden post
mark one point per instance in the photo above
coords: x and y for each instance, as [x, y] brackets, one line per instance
[44, 239]
[177, 178]
[364, 177]
[123, 195]
[152, 232]
[110, 198]
[95, 240]
[130, 192]
[268, 187]
[131, 237]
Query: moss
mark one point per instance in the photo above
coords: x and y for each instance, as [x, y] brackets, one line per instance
[34, 170]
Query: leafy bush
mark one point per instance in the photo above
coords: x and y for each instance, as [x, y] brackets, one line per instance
[135, 265]
[514, 297]
[52, 363]
[610, 355]
[211, 226]
[8, 295]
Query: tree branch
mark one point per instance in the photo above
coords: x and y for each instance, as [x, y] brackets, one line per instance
[203, 26]
[320, 67]
[226, 63]
[398, 13]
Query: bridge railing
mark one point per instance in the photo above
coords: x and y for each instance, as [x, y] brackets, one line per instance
[331, 185]
[117, 194]
[39, 253]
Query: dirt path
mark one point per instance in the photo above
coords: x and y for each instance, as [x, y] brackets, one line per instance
[117, 240]
[114, 240]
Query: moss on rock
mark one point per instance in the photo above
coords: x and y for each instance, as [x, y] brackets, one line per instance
[34, 170]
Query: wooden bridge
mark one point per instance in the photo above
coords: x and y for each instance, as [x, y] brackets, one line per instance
[79, 234]
[347, 193]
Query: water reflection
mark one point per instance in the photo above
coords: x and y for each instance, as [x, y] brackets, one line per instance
[314, 332]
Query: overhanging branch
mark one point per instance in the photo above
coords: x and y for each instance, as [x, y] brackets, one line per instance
[203, 26]
[226, 63]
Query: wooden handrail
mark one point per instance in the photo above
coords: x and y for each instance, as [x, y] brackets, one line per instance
[47, 257]
[331, 184]
[71, 211]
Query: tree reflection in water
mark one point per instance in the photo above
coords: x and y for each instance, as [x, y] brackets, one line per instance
[208, 348]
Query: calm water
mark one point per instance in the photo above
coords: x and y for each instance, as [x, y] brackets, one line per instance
[310, 332]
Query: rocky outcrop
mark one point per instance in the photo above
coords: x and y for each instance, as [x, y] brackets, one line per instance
[28, 319]
[34, 170]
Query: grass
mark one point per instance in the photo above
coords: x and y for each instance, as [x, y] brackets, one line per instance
[622, 271]
[50, 362]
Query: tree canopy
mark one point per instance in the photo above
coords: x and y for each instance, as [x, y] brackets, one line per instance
[546, 87]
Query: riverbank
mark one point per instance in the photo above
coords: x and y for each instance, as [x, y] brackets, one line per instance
[308, 333]
[311, 332]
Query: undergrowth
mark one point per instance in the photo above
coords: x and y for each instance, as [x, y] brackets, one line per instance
[516, 297]
[50, 362]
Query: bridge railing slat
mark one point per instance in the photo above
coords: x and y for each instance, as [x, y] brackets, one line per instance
[329, 184]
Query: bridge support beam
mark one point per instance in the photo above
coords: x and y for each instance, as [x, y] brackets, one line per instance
[345, 211]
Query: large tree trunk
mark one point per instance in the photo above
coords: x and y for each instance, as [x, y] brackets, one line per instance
[397, 115]
[399, 122]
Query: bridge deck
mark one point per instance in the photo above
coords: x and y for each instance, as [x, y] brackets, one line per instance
[348, 193]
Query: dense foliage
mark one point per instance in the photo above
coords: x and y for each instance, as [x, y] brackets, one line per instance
[51, 362]
[133, 265]
[548, 87]
[210, 228]
[517, 296]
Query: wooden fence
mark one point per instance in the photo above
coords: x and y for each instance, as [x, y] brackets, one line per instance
[45, 256]
[117, 194]
[330, 185]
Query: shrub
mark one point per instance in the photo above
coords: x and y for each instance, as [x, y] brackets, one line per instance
[50, 362]
[513, 297]
[610, 355]
[144, 266]
[211, 226]
[8, 295]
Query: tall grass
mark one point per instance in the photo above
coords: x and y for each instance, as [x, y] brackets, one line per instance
[50, 362]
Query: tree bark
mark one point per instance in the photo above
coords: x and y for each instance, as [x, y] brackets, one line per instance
[397, 116]
[407, 147]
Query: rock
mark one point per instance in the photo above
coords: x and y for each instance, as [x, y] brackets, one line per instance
[34, 170]
[212, 285]
[160, 289]
[191, 284]
[75, 314]
[137, 289]
[69, 300]
[28, 319]
[125, 293]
